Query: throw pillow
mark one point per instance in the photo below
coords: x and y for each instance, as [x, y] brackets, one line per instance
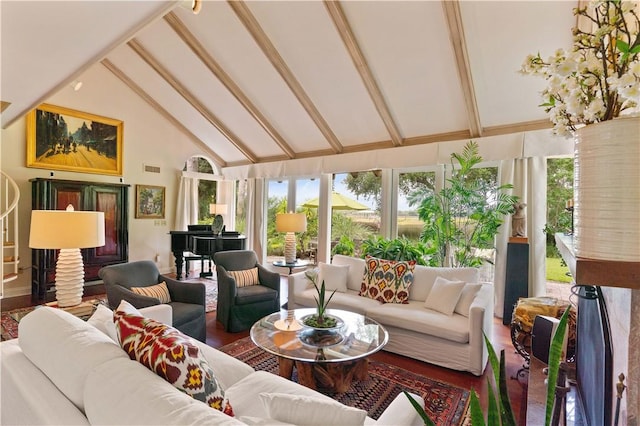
[444, 295]
[308, 410]
[387, 281]
[466, 298]
[102, 319]
[171, 355]
[335, 277]
[245, 277]
[159, 291]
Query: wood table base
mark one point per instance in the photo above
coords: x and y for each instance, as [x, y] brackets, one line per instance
[334, 376]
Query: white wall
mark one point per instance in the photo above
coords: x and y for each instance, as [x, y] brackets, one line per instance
[148, 139]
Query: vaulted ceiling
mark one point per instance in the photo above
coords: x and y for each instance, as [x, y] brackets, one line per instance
[259, 81]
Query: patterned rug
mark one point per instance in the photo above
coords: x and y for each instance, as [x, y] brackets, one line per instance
[446, 404]
[9, 320]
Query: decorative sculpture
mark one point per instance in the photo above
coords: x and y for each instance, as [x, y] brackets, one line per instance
[519, 221]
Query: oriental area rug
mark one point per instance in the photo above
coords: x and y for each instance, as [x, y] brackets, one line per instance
[9, 320]
[444, 403]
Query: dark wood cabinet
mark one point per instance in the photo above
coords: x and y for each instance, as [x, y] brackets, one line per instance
[112, 199]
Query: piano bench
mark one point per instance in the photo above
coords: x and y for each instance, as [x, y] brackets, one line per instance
[188, 257]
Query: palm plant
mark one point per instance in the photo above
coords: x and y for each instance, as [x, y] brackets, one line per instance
[320, 319]
[396, 249]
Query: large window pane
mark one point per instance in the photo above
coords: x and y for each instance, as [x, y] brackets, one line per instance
[308, 189]
[356, 216]
[412, 187]
[241, 206]
[276, 203]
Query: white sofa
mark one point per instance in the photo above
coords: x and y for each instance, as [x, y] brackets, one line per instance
[453, 341]
[62, 370]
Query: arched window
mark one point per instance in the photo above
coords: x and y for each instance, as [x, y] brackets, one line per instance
[208, 176]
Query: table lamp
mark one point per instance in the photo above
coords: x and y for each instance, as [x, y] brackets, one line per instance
[69, 231]
[290, 223]
[217, 210]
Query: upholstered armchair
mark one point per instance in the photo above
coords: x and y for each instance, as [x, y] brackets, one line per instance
[187, 300]
[247, 291]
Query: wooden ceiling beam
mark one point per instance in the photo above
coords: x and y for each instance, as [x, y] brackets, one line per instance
[459, 44]
[166, 114]
[251, 24]
[192, 100]
[346, 33]
[198, 49]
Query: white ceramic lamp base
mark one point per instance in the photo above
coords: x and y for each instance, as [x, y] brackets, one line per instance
[69, 278]
[289, 247]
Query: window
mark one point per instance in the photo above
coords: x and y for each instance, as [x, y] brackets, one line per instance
[412, 188]
[207, 188]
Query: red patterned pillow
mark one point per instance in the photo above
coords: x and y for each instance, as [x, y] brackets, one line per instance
[171, 355]
[387, 281]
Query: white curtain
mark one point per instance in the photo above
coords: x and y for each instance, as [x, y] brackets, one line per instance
[226, 194]
[255, 208]
[187, 203]
[529, 179]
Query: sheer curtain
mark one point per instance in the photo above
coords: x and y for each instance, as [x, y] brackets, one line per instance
[187, 203]
[529, 179]
[255, 228]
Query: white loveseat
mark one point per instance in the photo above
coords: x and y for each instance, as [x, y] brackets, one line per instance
[62, 370]
[453, 341]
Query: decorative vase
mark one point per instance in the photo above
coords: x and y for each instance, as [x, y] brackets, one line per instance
[607, 190]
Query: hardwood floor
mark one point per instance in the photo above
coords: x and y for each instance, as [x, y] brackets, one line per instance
[217, 337]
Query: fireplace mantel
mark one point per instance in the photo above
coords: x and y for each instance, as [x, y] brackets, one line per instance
[598, 272]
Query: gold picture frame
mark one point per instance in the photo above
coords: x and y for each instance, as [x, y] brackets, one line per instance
[150, 201]
[65, 139]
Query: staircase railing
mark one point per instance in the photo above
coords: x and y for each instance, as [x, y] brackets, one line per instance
[9, 223]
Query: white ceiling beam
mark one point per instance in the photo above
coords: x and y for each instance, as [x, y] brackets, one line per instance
[459, 44]
[270, 51]
[192, 100]
[166, 114]
[198, 49]
[360, 62]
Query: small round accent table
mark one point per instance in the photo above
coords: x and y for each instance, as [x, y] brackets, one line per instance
[297, 264]
[329, 360]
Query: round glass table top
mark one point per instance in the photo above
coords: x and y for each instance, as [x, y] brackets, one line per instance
[283, 334]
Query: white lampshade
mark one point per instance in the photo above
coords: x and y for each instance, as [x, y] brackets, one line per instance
[58, 229]
[217, 208]
[69, 231]
[291, 222]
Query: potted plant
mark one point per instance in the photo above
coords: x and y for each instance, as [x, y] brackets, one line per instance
[459, 219]
[320, 320]
[395, 249]
[592, 93]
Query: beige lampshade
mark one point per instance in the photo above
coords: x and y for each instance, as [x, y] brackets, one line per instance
[291, 222]
[65, 229]
[217, 208]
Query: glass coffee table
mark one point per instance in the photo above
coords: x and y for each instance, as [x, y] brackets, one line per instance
[324, 359]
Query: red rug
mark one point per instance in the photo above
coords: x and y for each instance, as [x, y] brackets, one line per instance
[446, 404]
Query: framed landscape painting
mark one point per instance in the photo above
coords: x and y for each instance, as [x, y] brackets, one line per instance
[64, 139]
[149, 202]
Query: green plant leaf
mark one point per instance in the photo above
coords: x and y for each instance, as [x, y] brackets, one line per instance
[477, 418]
[555, 354]
[622, 46]
[420, 410]
[493, 414]
[508, 418]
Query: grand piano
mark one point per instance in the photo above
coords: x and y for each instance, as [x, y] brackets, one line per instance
[202, 242]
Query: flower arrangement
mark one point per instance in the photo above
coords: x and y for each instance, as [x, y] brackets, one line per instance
[600, 77]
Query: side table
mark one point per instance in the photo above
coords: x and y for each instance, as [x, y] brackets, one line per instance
[297, 264]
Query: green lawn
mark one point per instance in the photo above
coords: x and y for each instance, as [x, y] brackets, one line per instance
[557, 271]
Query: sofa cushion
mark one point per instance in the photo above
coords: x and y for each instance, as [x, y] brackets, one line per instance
[170, 354]
[425, 276]
[416, 318]
[65, 348]
[102, 319]
[335, 277]
[159, 291]
[123, 392]
[310, 410]
[245, 277]
[244, 393]
[357, 268]
[387, 281]
[349, 301]
[254, 293]
[466, 298]
[444, 295]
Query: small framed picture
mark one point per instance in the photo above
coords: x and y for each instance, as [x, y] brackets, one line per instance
[150, 202]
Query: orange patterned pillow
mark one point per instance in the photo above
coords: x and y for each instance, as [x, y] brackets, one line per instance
[387, 281]
[171, 355]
